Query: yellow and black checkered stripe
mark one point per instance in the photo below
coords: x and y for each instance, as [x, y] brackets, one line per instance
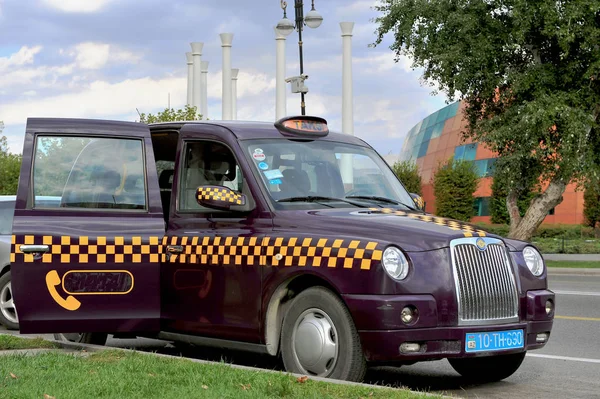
[215, 193]
[467, 230]
[277, 251]
[90, 250]
[419, 202]
[225, 251]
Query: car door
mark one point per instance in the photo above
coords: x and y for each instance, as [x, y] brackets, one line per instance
[87, 229]
[212, 276]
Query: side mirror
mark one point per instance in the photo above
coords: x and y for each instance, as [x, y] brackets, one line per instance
[219, 197]
[419, 201]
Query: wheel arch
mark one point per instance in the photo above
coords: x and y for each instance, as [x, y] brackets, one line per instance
[281, 299]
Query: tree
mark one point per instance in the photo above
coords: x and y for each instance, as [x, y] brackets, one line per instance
[527, 192]
[591, 208]
[172, 115]
[408, 173]
[10, 167]
[454, 184]
[529, 74]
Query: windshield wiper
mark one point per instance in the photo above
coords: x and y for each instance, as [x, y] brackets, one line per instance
[383, 199]
[316, 198]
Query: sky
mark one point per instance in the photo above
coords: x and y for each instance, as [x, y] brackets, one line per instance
[109, 59]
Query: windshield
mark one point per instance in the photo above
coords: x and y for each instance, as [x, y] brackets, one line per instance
[323, 174]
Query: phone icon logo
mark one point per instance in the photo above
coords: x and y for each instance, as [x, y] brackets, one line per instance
[52, 281]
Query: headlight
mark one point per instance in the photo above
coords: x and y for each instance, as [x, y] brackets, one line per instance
[534, 261]
[395, 263]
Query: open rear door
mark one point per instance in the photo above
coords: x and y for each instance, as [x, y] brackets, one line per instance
[86, 232]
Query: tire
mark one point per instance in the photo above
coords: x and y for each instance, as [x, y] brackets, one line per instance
[488, 369]
[319, 338]
[83, 338]
[8, 311]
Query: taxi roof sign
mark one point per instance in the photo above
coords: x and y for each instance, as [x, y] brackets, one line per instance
[305, 126]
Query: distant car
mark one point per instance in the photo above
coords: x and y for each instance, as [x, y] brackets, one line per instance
[8, 312]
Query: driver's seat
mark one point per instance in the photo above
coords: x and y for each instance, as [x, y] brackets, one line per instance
[295, 183]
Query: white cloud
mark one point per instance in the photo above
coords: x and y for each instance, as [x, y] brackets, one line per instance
[90, 55]
[24, 56]
[77, 6]
[100, 100]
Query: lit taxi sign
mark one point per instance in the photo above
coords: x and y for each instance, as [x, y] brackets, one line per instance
[308, 126]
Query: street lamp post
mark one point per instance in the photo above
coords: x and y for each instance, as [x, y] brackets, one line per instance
[313, 20]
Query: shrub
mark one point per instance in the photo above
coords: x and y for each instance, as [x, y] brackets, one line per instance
[408, 173]
[591, 209]
[454, 185]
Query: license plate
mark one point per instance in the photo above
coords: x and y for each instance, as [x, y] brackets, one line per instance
[494, 341]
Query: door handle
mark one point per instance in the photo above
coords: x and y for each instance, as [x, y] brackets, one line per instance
[34, 249]
[174, 249]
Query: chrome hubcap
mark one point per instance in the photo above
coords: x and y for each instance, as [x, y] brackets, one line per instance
[7, 304]
[315, 342]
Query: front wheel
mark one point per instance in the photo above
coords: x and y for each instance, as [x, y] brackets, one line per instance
[488, 369]
[319, 338]
[83, 338]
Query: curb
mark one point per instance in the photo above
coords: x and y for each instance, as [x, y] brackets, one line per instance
[97, 348]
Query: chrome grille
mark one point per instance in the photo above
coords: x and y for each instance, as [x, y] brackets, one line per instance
[485, 284]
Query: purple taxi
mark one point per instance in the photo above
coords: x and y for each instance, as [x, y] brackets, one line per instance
[285, 239]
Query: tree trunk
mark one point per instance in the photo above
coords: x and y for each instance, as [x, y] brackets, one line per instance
[539, 208]
[513, 209]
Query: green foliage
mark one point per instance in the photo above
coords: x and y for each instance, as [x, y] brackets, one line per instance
[408, 173]
[529, 72]
[10, 168]
[454, 185]
[172, 115]
[591, 209]
[53, 162]
[547, 231]
[498, 209]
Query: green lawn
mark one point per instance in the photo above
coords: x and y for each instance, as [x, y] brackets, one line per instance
[116, 374]
[582, 264]
[10, 342]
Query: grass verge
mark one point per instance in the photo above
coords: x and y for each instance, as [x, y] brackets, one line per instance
[10, 342]
[577, 264]
[116, 374]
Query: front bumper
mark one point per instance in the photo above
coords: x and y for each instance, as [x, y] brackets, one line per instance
[381, 331]
[439, 343]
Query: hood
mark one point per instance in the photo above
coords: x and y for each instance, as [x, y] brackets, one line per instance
[411, 231]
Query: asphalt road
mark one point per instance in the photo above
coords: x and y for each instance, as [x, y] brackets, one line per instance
[568, 367]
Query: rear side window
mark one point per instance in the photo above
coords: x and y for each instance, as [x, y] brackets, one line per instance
[89, 172]
[7, 210]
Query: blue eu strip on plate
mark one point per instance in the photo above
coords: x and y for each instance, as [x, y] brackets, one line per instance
[494, 341]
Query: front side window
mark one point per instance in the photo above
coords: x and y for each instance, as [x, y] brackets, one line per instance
[311, 174]
[208, 163]
[89, 172]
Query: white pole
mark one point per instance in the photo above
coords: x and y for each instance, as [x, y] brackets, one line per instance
[234, 78]
[280, 101]
[197, 55]
[347, 106]
[190, 81]
[226, 41]
[204, 96]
